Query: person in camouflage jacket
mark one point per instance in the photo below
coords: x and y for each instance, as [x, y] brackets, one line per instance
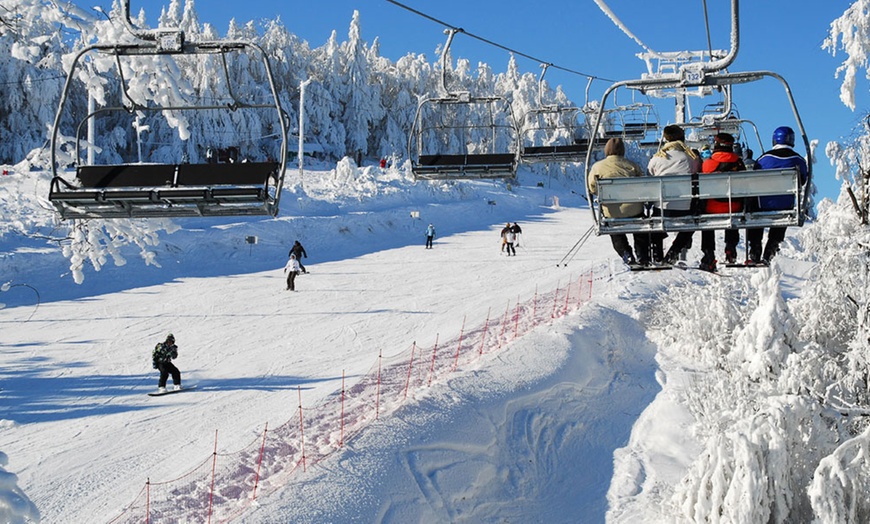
[162, 357]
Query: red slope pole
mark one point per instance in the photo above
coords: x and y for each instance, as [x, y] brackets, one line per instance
[504, 321]
[341, 432]
[517, 318]
[301, 428]
[147, 501]
[485, 327]
[591, 273]
[378, 389]
[410, 366]
[432, 365]
[213, 465]
[567, 297]
[555, 300]
[459, 345]
[260, 462]
[535, 308]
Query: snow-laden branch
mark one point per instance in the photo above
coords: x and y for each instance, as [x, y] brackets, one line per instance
[841, 482]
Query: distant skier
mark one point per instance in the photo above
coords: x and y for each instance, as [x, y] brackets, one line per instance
[162, 357]
[299, 251]
[292, 269]
[517, 231]
[504, 231]
[509, 238]
[430, 236]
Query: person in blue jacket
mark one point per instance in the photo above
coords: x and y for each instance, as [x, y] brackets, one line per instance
[430, 236]
[781, 156]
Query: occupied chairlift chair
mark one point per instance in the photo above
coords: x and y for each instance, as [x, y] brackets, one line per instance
[459, 136]
[141, 190]
[694, 187]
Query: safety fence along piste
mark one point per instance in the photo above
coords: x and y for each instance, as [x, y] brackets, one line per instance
[225, 485]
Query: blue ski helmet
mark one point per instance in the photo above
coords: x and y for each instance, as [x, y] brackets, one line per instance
[783, 135]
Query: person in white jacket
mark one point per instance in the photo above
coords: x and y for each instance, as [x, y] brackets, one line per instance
[674, 158]
[292, 269]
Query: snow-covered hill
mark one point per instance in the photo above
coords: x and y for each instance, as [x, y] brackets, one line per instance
[581, 393]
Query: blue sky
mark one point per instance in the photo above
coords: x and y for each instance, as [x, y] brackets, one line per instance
[783, 36]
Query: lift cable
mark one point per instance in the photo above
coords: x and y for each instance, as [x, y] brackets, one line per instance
[496, 44]
[707, 25]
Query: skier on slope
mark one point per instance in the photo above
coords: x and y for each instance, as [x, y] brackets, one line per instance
[299, 252]
[504, 231]
[430, 236]
[162, 357]
[517, 231]
[292, 269]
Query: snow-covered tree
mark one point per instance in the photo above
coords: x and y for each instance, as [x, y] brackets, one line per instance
[31, 44]
[362, 107]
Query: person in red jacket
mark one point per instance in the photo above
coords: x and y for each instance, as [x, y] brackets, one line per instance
[723, 159]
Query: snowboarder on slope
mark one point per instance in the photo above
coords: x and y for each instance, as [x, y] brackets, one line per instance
[162, 357]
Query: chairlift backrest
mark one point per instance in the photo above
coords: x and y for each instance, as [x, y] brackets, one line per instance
[740, 186]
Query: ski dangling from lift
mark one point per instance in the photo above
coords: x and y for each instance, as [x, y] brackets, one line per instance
[652, 267]
[685, 267]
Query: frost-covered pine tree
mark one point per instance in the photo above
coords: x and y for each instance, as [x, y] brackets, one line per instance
[362, 107]
[31, 46]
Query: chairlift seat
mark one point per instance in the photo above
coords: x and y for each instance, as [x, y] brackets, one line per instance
[142, 190]
[640, 126]
[555, 153]
[488, 165]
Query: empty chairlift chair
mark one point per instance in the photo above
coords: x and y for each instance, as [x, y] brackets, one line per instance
[249, 184]
[461, 136]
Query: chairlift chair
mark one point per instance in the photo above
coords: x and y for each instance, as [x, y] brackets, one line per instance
[635, 122]
[551, 132]
[459, 136]
[696, 187]
[176, 189]
[719, 117]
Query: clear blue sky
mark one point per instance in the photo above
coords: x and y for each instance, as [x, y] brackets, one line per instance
[783, 36]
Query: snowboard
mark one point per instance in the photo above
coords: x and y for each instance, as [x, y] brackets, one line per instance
[170, 391]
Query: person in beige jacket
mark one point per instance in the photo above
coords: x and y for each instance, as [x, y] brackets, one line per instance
[615, 165]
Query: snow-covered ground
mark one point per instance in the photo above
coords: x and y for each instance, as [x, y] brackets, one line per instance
[578, 415]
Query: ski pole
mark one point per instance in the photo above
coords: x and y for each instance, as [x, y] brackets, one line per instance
[576, 248]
